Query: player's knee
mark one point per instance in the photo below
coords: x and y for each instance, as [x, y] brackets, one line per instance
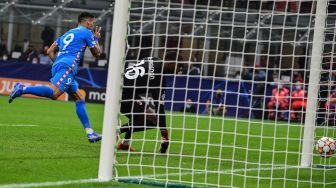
[79, 99]
[78, 96]
[55, 96]
[56, 92]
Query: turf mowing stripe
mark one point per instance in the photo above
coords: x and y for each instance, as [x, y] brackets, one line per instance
[55, 183]
[17, 125]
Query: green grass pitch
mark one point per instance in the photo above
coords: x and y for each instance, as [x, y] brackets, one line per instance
[51, 146]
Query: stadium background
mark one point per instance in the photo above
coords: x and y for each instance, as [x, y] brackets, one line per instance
[25, 20]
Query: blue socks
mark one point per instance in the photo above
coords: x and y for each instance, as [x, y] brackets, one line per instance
[42, 91]
[82, 115]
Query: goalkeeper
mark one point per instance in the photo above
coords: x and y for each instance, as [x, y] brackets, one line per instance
[142, 95]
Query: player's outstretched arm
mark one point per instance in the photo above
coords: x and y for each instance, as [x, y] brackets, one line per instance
[96, 50]
[52, 50]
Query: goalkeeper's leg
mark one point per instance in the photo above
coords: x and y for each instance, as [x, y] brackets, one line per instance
[140, 122]
[140, 125]
[127, 129]
[163, 129]
[136, 123]
[135, 113]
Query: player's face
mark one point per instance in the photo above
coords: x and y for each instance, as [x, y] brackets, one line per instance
[90, 22]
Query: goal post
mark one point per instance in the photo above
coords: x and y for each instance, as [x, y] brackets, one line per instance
[314, 80]
[113, 91]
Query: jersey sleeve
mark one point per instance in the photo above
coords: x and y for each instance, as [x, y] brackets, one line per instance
[58, 41]
[89, 39]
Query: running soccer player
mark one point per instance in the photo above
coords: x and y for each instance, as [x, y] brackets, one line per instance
[142, 98]
[66, 52]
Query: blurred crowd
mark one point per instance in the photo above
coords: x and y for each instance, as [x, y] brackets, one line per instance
[279, 99]
[30, 53]
[288, 102]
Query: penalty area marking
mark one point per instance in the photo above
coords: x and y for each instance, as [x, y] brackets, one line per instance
[17, 125]
[55, 183]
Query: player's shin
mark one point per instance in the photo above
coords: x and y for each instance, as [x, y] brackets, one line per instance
[164, 133]
[82, 115]
[165, 141]
[127, 139]
[125, 145]
[125, 128]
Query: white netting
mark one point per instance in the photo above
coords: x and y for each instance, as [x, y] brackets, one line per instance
[246, 68]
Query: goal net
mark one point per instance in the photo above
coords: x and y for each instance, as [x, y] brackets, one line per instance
[255, 90]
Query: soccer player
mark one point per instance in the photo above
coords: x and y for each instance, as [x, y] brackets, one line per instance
[66, 52]
[142, 95]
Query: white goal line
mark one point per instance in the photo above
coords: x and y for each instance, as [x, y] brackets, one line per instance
[17, 125]
[69, 182]
[54, 183]
[203, 172]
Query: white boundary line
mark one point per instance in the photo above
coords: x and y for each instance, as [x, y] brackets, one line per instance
[218, 172]
[17, 125]
[58, 183]
[52, 183]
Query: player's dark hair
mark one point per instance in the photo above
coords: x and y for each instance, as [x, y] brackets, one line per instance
[84, 15]
[172, 56]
